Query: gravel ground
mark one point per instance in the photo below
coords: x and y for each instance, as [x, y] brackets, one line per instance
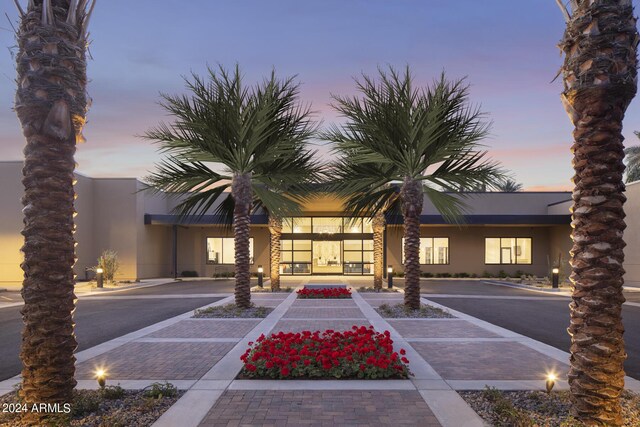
[536, 408]
[90, 409]
[232, 311]
[383, 290]
[398, 311]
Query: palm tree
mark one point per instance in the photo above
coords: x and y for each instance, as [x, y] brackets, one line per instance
[253, 141]
[599, 74]
[51, 103]
[378, 224]
[275, 231]
[508, 185]
[401, 143]
[632, 160]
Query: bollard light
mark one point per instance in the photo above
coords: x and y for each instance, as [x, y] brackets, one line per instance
[390, 277]
[551, 381]
[101, 376]
[260, 276]
[555, 276]
[100, 277]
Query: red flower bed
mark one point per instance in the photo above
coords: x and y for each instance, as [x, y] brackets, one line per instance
[359, 353]
[324, 293]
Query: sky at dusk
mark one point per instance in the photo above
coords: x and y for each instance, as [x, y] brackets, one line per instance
[506, 49]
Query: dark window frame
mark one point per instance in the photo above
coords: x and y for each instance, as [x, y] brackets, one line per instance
[206, 251]
[516, 256]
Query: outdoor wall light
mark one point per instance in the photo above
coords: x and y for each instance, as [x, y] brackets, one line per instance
[260, 276]
[551, 381]
[555, 276]
[390, 277]
[101, 376]
[99, 277]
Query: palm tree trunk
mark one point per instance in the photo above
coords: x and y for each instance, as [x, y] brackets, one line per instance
[242, 196]
[378, 224]
[275, 231]
[51, 104]
[412, 201]
[599, 79]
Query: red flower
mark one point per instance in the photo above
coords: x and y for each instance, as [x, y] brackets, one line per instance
[250, 367]
[402, 351]
[284, 371]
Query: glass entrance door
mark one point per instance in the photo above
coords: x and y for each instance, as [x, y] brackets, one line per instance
[327, 257]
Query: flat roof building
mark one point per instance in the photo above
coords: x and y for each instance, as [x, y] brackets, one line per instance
[518, 233]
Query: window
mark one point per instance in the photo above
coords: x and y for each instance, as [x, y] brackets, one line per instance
[221, 250]
[324, 225]
[507, 250]
[295, 256]
[433, 250]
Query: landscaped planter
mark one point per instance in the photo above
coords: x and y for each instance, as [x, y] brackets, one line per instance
[361, 353]
[332, 293]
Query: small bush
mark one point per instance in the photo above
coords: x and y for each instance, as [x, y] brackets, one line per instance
[189, 273]
[487, 274]
[426, 274]
[502, 274]
[463, 275]
[443, 274]
[112, 392]
[160, 390]
[109, 264]
[474, 275]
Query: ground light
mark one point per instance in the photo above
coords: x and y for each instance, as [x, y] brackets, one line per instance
[551, 381]
[555, 273]
[100, 277]
[390, 277]
[260, 276]
[101, 376]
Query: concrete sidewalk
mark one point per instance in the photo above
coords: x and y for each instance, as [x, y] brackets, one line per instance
[202, 356]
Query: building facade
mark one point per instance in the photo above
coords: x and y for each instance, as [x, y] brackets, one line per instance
[514, 233]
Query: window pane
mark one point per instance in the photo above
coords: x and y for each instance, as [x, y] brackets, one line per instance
[353, 245]
[523, 251]
[286, 256]
[353, 268]
[302, 256]
[301, 268]
[302, 225]
[214, 250]
[492, 251]
[367, 256]
[287, 225]
[426, 250]
[366, 226]
[286, 245]
[353, 257]
[367, 245]
[508, 250]
[228, 251]
[327, 225]
[353, 225]
[440, 250]
[302, 245]
[250, 250]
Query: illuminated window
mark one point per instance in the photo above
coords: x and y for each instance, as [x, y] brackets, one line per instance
[433, 250]
[507, 250]
[221, 250]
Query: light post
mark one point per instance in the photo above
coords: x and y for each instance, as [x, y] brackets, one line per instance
[101, 377]
[99, 277]
[551, 381]
[555, 277]
[260, 276]
[390, 277]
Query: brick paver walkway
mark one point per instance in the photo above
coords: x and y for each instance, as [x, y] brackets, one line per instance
[320, 408]
[207, 328]
[323, 313]
[439, 328]
[296, 325]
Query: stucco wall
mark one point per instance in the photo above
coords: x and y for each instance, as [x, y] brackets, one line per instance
[632, 235]
[85, 250]
[11, 221]
[192, 249]
[467, 249]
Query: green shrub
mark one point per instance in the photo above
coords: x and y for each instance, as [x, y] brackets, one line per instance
[502, 274]
[85, 402]
[463, 275]
[426, 274]
[160, 390]
[189, 273]
[443, 275]
[112, 392]
[487, 274]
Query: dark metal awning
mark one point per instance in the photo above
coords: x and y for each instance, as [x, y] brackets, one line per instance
[162, 219]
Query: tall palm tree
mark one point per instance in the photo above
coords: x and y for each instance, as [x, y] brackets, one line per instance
[401, 143]
[632, 160]
[378, 224]
[51, 103]
[508, 185]
[599, 73]
[253, 141]
[275, 232]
